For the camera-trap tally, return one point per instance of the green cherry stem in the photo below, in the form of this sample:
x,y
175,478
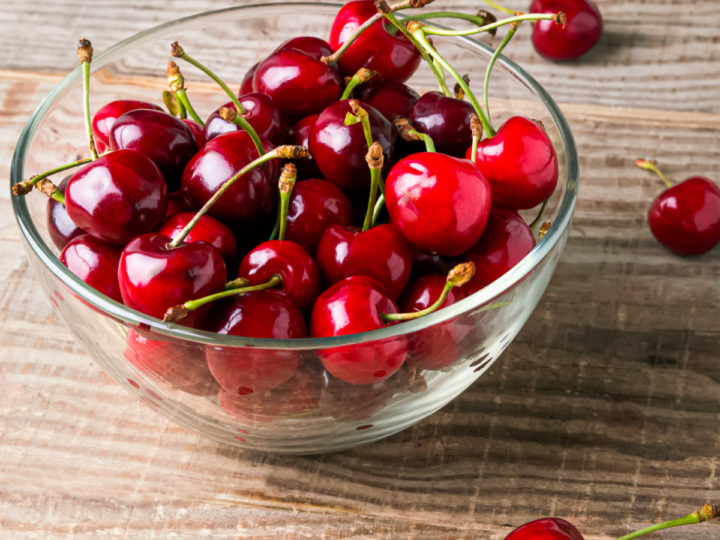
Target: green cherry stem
x,y
85,54
176,82
457,277
279,152
48,188
179,312
378,207
406,132
362,76
374,159
706,513
24,187
491,64
651,165
559,18
538,219
499,7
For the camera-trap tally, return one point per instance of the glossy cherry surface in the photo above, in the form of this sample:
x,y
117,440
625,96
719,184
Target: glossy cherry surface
x,y
175,204
390,54
546,529
290,261
246,85
505,242
339,150
197,131
310,45
520,162
686,217
104,118
380,253
582,31
391,98
299,135
117,197
260,314
166,140
260,112
440,203
251,197
95,262
61,228
153,277
351,306
446,120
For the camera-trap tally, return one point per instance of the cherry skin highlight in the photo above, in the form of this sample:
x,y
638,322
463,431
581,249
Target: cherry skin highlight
x,y
95,262
105,117
582,31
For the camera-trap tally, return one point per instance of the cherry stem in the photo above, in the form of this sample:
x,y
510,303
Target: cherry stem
x,y
559,18
476,130
457,277
651,165
237,283
488,70
85,53
285,186
499,7
361,115
706,513
176,82
478,20
362,76
24,187
179,312
378,207
281,152
374,159
46,187
178,52
406,132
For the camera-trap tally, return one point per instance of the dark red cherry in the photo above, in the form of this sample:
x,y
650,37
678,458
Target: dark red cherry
x,y
95,262
380,253
246,85
520,163
339,150
260,314
298,83
505,242
582,31
314,206
251,197
430,263
299,135
290,261
197,132
104,119
260,112
351,306
391,98
686,217
310,45
446,120
439,203
154,277
207,229
166,140
62,229
117,197
546,529
390,54
175,204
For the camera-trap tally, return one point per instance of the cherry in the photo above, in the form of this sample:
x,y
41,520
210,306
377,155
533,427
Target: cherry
x,y
166,140
351,306
505,242
246,85
259,314
390,54
260,112
429,263
154,277
197,132
250,198
105,117
391,98
314,206
117,197
380,253
298,83
95,262
310,45
560,42
61,228
299,134
175,204
520,163
440,203
446,120
551,528
290,261
339,150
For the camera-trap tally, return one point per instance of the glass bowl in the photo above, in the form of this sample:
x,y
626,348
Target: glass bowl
x,y
165,366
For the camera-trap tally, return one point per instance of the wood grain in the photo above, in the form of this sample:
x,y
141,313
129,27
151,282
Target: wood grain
x,y
605,410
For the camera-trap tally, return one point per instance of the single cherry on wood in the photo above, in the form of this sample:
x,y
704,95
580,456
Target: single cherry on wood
x,y
577,36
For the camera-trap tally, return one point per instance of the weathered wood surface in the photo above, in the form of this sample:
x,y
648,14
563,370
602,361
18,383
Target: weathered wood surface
x,y
605,409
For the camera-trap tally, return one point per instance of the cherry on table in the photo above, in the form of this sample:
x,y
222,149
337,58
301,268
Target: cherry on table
x,y
95,262
446,120
561,42
104,118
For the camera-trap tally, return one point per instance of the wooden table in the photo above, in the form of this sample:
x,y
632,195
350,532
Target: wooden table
x,y
605,410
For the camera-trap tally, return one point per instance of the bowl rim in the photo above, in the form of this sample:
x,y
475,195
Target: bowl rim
x,y
136,319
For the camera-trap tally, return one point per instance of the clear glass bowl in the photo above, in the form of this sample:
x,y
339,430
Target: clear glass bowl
x,y
164,365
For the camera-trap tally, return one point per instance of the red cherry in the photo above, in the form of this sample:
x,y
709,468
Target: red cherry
x,y
505,242
246,85
153,277
299,135
582,31
440,203
392,55
117,197
95,262
446,120
686,217
175,204
291,262
520,163
260,314
429,263
351,306
391,98
104,119
546,529
340,150
260,112
310,45
380,253
197,132
61,228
